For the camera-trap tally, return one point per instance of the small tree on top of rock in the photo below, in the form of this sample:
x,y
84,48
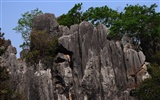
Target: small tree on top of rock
x,y
25,25
43,46
142,24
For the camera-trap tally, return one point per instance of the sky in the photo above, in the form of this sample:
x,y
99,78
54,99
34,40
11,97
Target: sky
x,y
11,10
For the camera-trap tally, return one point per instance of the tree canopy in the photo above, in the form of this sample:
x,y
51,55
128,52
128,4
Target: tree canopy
x,y
142,24
102,15
74,16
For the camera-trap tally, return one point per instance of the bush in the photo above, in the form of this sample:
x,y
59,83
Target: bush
x,y
149,89
33,56
156,58
43,47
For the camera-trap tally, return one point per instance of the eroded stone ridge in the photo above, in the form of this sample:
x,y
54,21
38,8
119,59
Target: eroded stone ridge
x,y
102,69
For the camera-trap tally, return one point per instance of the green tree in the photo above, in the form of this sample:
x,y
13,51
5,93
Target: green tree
x,y
25,25
43,47
74,16
95,15
142,24
102,15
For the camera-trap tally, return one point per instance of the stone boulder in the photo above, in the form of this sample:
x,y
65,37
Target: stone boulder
x,y
46,22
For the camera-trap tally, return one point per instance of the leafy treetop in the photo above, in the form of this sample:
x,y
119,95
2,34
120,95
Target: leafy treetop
x,y
25,25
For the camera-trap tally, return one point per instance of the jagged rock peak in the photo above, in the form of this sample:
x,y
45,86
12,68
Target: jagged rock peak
x,y
46,22
101,69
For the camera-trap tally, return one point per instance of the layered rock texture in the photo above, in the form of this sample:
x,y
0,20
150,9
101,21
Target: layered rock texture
x,y
101,69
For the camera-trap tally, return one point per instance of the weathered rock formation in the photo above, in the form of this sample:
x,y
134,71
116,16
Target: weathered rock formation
x,y
102,69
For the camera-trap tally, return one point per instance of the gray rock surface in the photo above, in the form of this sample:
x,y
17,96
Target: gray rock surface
x,y
46,22
103,70
7,43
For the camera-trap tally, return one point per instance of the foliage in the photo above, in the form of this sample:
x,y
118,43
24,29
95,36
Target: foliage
x,y
74,16
102,15
25,25
6,91
32,57
150,88
43,45
155,58
142,24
